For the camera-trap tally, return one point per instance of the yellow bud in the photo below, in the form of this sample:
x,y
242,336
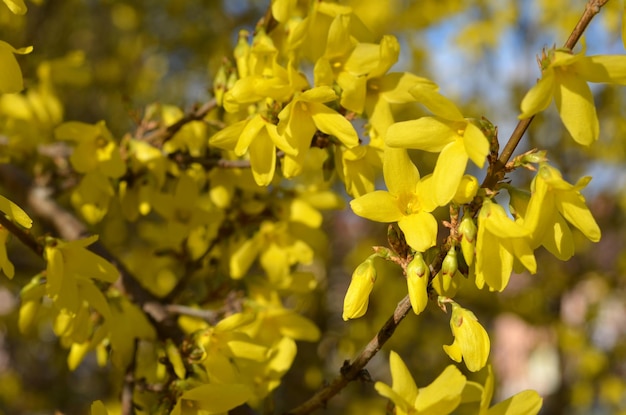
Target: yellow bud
x,y
242,51
450,264
357,297
467,190
417,274
448,279
468,232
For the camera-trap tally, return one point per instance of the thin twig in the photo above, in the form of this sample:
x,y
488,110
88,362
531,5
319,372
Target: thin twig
x,y
23,235
161,135
128,408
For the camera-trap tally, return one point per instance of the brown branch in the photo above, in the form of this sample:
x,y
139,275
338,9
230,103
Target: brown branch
x,y
128,407
354,370
23,235
161,135
497,172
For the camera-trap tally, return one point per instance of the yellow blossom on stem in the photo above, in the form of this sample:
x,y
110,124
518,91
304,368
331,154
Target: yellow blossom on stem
x,y
552,204
352,64
457,140
441,397
564,78
261,138
499,242
471,342
303,116
407,201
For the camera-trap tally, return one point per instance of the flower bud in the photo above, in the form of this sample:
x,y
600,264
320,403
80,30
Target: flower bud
x,y
417,274
468,232
448,279
357,297
467,190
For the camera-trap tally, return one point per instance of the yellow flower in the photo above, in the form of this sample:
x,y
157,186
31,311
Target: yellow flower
x,y
261,138
458,140
306,114
95,148
552,204
441,397
408,201
564,77
352,64
471,342
70,262
357,298
499,242
358,167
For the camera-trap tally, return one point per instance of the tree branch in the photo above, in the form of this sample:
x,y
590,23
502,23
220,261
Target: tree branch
x,y
161,135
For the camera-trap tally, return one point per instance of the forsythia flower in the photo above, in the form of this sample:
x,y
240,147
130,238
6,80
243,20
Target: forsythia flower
x,y
564,77
68,262
456,138
471,342
552,204
407,202
306,114
499,241
353,64
357,298
260,137
441,397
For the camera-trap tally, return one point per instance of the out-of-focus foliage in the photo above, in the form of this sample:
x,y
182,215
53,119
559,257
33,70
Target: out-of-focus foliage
x,y
213,147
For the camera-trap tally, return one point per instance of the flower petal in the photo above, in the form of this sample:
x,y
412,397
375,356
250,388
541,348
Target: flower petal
x,y
476,144
443,395
539,96
379,206
401,175
603,68
449,171
436,103
574,101
420,230
331,122
426,133
263,158
572,206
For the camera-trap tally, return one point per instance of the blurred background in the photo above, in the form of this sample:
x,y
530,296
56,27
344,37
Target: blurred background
x,y
561,331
